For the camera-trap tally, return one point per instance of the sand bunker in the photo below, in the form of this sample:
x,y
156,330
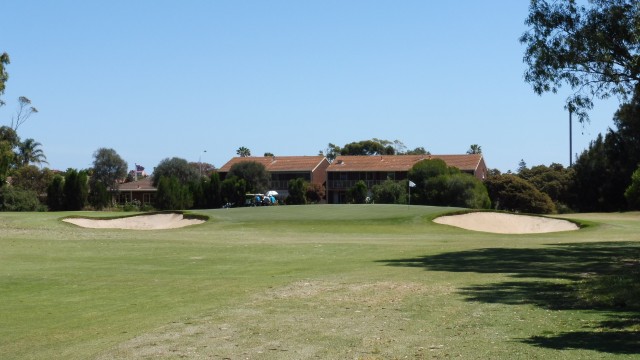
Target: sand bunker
x,y
141,222
506,223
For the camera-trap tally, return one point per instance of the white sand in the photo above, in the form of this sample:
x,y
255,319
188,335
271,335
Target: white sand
x,y
141,222
506,223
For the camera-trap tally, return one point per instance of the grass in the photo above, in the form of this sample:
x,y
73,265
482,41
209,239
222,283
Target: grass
x,y
289,282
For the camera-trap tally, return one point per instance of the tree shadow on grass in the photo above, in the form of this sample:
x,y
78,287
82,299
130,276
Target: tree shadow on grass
x,y
548,277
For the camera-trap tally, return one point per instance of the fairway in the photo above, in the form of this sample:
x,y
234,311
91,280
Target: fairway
x,y
297,282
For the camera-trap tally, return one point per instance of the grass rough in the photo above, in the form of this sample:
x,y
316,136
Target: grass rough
x,y
293,282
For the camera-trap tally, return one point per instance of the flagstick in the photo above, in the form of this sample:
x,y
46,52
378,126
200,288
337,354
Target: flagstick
x,y
409,204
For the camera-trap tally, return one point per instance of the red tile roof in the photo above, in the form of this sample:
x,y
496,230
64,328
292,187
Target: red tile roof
x,y
279,163
466,162
140,185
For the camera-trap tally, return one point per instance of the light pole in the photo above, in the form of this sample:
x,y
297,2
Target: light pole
x,y
570,136
200,161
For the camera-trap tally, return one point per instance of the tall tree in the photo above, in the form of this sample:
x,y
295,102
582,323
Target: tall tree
x,y
368,147
632,193
357,194
172,195
178,168
75,189
442,185
4,76
213,192
243,151
474,149
253,173
29,152
8,141
24,112
593,48
55,194
108,167
297,188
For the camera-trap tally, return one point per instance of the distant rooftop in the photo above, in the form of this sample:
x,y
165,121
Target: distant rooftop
x,y
278,163
466,162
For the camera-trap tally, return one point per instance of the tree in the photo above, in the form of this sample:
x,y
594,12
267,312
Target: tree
x,y
464,190
213,193
390,192
418,151
268,154
297,188
475,149
108,167
4,76
512,193
172,195
603,172
368,147
592,48
31,178
522,166
15,199
632,194
253,173
314,193
24,112
554,180
358,193
29,152
9,140
442,185
243,152
175,167
75,190
99,197
233,190
55,194
331,152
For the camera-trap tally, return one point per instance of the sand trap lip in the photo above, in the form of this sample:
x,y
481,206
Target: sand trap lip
x,y
139,222
501,223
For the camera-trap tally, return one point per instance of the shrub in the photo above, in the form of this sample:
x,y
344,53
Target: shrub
x,y
233,190
358,193
172,195
75,189
632,194
442,185
55,194
314,193
297,188
13,199
133,205
99,197
512,193
390,192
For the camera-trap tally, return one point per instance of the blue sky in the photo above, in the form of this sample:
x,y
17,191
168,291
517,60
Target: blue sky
x,y
158,79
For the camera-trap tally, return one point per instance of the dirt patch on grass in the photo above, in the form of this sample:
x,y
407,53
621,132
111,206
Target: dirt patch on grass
x,y
305,319
139,222
501,223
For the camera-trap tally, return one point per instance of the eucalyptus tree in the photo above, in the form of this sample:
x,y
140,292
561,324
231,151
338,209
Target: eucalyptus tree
x,y
108,167
593,47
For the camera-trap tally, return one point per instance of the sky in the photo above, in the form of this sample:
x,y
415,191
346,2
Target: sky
x,y
198,79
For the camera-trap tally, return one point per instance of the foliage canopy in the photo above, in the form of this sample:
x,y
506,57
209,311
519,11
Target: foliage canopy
x,y
592,48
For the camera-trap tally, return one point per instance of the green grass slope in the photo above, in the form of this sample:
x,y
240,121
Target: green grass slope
x,y
293,282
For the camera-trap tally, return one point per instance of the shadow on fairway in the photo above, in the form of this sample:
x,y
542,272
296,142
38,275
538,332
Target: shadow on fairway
x,y
535,274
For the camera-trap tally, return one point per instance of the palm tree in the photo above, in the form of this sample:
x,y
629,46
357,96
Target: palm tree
x,y
29,152
243,152
475,149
